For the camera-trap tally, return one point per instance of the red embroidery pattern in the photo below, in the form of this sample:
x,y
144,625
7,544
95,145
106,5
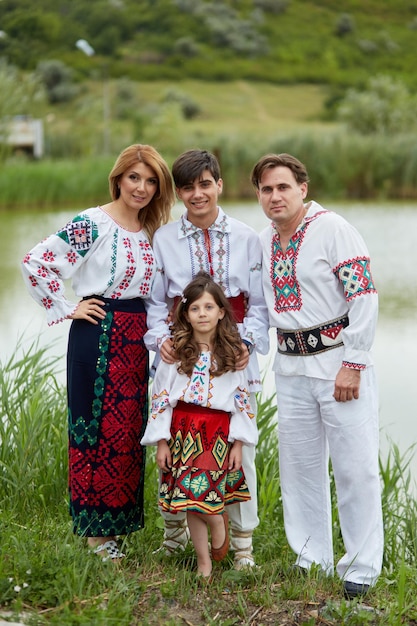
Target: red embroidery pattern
x,y
283,272
148,260
353,366
106,458
48,256
71,258
47,303
131,269
355,276
53,286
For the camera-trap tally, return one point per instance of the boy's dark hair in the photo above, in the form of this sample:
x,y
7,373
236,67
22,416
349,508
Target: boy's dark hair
x,y
190,165
227,345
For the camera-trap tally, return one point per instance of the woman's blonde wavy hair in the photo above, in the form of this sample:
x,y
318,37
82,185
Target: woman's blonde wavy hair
x,y
158,211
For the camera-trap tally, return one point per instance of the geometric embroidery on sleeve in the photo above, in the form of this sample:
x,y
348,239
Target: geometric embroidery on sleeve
x,y
353,366
355,276
79,234
242,401
159,403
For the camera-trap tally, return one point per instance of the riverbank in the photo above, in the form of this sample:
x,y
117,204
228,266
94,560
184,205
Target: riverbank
x,y
340,166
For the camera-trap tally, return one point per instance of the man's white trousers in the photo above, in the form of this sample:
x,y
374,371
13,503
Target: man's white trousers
x,y
312,425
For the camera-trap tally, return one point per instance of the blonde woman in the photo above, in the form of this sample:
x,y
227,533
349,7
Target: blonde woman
x,y
106,252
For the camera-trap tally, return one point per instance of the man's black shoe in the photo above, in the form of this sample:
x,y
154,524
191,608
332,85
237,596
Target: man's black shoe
x,y
352,590
297,570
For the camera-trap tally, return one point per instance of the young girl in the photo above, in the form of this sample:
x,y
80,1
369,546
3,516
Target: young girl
x,y
201,418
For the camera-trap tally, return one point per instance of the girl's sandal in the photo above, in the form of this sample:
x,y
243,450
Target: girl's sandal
x,y
111,550
203,579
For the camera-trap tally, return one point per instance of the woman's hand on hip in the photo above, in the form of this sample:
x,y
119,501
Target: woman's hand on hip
x,y
90,310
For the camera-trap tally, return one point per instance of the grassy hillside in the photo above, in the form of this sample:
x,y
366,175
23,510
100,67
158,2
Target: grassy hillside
x,y
149,112
238,78
244,106
279,41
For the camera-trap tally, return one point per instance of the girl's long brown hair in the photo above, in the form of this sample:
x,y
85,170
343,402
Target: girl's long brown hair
x,y
227,344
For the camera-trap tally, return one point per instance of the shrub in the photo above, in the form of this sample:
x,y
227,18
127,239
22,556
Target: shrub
x,y
345,24
189,107
384,106
57,79
187,47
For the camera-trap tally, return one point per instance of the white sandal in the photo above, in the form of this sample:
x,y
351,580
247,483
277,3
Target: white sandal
x,y
241,544
111,548
176,537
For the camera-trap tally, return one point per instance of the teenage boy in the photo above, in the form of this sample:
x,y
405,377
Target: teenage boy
x,y
205,238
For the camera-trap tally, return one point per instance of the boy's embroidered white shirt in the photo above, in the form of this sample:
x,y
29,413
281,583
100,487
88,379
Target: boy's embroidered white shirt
x,y
236,258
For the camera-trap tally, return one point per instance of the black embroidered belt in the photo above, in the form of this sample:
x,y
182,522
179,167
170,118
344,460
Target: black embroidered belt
x,y
305,341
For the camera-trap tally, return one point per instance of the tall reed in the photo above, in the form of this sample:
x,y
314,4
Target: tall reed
x,y
33,451
49,573
341,165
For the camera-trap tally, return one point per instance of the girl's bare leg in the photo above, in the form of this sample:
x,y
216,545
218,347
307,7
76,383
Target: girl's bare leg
x,y
197,525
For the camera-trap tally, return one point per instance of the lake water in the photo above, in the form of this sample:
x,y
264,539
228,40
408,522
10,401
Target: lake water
x,y
389,231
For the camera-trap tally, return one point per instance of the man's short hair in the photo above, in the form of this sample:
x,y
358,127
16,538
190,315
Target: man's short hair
x,y
269,161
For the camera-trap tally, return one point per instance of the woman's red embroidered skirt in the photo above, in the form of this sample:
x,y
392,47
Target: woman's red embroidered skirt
x,y
107,372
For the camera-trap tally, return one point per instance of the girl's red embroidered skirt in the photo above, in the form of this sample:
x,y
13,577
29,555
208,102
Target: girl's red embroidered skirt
x,y
199,480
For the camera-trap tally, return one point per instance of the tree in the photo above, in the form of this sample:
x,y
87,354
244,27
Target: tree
x,y
19,95
57,78
384,106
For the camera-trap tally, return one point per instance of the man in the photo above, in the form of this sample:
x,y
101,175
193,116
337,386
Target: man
x,y
323,302
205,238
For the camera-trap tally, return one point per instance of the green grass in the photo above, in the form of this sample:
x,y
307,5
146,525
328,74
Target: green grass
x,y
47,575
245,107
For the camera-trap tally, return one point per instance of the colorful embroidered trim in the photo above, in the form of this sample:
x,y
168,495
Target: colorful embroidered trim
x,y
305,341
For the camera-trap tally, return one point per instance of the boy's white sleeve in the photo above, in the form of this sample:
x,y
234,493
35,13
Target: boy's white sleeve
x,y
256,322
